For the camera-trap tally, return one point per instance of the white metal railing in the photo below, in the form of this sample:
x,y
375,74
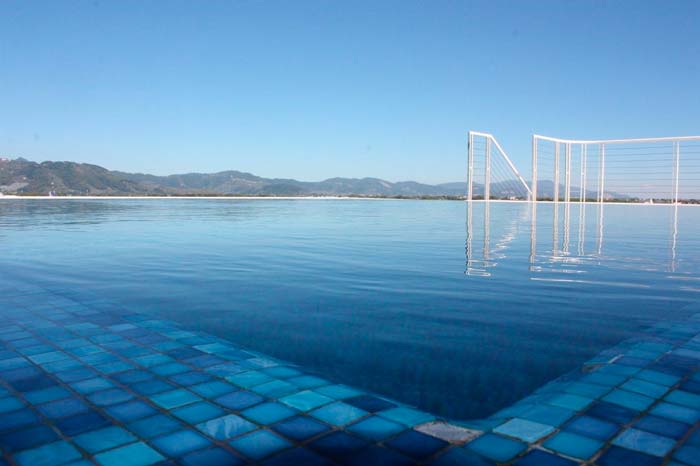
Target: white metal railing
x,y
665,169
488,165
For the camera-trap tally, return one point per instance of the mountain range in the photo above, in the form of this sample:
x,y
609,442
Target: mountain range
x,y
23,177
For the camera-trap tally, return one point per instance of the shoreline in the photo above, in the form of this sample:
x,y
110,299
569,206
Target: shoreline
x,y
320,198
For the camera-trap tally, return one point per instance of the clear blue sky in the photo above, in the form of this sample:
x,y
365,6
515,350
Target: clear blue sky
x,y
314,89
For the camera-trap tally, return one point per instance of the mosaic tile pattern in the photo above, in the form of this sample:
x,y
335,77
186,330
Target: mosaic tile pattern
x,y
635,404
84,382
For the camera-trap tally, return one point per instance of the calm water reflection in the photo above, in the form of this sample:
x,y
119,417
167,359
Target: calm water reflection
x,y
374,293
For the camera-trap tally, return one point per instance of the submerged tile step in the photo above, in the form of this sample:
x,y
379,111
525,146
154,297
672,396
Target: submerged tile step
x,y
83,380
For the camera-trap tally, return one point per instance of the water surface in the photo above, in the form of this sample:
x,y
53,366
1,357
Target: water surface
x,y
458,310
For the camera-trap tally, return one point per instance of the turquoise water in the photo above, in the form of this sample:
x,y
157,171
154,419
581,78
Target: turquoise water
x,y
428,302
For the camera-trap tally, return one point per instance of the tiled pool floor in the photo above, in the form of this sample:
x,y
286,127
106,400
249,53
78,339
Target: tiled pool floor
x,y
84,381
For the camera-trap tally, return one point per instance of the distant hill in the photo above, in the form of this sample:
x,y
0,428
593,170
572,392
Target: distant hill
x,y
20,176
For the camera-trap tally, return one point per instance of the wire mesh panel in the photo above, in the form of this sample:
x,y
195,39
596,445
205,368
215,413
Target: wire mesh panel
x,y
654,170
688,161
490,173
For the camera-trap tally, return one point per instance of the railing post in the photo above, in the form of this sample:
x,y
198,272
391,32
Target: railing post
x,y
676,170
601,172
487,170
582,190
556,172
533,187
567,173
470,166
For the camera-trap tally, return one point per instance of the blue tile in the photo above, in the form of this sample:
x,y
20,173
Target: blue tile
x,y
249,379
226,427
49,357
154,426
694,438
32,383
213,389
184,353
338,413
268,413
63,408
629,400
586,389
497,448
300,428
191,378
570,401
683,398
172,368
306,400
47,394
522,429
376,428
689,454
110,397
91,385
379,456
297,456
416,445
28,438
661,426
151,387
612,413
198,412
644,442
369,403
130,411
75,375
212,457
153,360
136,454
275,389
550,415
259,444
338,444
692,386
74,425
174,399
338,392
16,419
407,416
239,400
134,376
676,413
48,455
573,445
104,439
10,404
592,427
114,367
180,442
464,457
645,388
308,381
616,456
543,458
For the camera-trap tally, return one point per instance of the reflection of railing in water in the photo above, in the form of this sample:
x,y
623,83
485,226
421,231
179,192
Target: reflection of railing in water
x,y
569,250
563,255
479,266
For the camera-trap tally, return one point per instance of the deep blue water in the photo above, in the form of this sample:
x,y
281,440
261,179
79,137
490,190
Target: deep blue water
x,y
423,301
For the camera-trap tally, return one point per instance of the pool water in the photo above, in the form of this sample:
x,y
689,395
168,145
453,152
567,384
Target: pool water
x,y
459,310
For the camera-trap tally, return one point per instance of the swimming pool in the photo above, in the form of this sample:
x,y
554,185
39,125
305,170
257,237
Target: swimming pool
x,y
459,310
